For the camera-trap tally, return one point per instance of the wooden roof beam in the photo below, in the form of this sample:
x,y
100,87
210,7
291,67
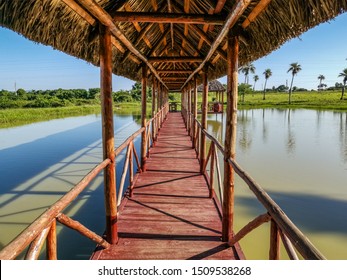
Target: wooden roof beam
x,y
236,12
104,18
159,42
168,18
175,71
175,59
219,6
256,11
169,9
204,36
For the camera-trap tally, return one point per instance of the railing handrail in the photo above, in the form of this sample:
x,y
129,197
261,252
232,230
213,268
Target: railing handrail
x,y
17,245
298,239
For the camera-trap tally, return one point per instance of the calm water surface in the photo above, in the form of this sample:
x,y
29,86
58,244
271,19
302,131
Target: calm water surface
x,y
40,162
299,157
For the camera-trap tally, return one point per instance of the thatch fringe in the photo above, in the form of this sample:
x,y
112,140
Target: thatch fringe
x,y
53,23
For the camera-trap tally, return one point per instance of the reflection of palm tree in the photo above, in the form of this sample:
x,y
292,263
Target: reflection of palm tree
x,y
320,78
267,74
291,136
248,68
245,141
295,69
344,75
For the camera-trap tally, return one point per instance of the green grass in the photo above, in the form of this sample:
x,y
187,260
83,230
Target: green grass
x,y
16,117
327,100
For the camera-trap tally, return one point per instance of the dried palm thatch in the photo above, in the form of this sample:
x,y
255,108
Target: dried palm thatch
x,y
213,86
145,32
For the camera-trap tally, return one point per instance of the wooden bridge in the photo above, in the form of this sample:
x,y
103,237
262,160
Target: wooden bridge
x,y
170,214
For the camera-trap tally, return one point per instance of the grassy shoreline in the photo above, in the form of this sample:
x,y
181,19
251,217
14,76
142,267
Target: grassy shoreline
x,y
300,100
327,100
17,117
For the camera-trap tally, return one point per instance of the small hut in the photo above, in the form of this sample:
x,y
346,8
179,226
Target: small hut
x,y
215,87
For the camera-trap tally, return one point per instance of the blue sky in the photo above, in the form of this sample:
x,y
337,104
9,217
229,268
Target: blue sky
x,y
321,50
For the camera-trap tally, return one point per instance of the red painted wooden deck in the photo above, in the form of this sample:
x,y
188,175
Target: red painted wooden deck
x,y
170,215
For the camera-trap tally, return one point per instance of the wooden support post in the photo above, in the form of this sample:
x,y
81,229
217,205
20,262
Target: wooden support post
x,y
51,242
203,121
230,138
274,253
154,88
189,110
195,109
143,118
108,134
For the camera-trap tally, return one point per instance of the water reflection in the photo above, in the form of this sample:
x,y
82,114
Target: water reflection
x,y
300,158
38,171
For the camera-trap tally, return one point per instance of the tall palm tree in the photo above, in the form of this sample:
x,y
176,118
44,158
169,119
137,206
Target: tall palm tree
x,y
343,74
255,79
320,78
267,74
295,69
248,68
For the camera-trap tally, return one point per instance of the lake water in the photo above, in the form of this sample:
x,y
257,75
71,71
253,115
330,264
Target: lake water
x,y
298,156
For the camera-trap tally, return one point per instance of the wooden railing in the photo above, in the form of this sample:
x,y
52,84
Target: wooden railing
x,y
281,228
43,229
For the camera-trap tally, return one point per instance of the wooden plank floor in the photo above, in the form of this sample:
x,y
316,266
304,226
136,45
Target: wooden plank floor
x,y
170,215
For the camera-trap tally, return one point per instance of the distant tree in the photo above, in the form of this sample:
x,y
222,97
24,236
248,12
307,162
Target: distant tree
x,y
294,68
320,78
255,79
267,74
281,88
244,89
343,74
248,68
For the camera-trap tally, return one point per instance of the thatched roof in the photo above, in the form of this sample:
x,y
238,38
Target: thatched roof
x,y
213,86
192,28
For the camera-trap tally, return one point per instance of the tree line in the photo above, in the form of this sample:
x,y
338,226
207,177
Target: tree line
x,y
64,97
294,69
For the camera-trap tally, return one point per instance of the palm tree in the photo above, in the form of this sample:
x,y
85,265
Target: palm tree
x,y
344,75
255,79
248,68
320,78
295,69
267,74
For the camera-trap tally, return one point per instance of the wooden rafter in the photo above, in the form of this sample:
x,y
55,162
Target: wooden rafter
x,y
159,42
175,71
219,6
256,11
236,12
104,18
175,59
204,37
189,43
135,17
171,25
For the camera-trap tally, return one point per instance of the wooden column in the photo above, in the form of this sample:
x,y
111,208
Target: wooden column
x,y
230,137
158,108
154,88
203,121
274,252
108,134
195,109
189,108
143,117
